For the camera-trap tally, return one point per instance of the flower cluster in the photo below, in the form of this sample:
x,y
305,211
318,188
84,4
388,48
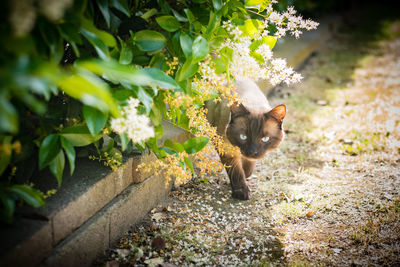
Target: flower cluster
x,y
279,72
287,21
24,12
172,66
245,65
260,64
199,123
136,126
171,167
210,83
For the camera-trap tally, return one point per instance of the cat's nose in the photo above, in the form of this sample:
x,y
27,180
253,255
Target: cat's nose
x,y
253,150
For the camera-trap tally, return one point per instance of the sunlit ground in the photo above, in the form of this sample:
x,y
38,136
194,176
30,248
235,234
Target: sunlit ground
x,y
345,206
329,196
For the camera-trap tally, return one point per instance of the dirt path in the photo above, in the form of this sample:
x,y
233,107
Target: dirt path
x,y
329,196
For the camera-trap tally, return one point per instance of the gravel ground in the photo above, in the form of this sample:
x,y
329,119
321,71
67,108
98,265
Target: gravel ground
x,y
330,195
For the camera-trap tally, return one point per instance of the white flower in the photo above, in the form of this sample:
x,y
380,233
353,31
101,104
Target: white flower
x,y
281,32
136,126
276,18
296,33
278,64
54,9
288,22
265,52
244,65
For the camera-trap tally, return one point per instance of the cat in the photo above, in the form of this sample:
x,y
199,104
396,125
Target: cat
x,y
251,125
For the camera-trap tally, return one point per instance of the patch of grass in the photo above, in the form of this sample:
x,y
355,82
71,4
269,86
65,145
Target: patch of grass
x,y
365,142
372,230
286,211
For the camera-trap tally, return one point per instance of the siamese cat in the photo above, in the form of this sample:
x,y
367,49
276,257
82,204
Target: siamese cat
x,y
253,126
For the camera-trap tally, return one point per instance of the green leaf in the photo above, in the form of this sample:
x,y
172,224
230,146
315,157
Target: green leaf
x,y
159,78
258,57
28,194
98,38
121,5
199,49
124,141
164,151
198,26
189,15
148,40
155,115
106,37
195,144
251,27
220,65
8,204
175,45
158,132
95,119
103,6
127,74
100,47
124,94
79,135
217,4
149,14
57,167
152,144
70,152
213,23
8,116
263,5
268,40
145,98
90,90
178,147
253,2
126,54
178,16
168,23
189,164
186,44
187,70
48,150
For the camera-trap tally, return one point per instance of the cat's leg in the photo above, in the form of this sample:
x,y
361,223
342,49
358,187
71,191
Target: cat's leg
x,y
248,166
237,177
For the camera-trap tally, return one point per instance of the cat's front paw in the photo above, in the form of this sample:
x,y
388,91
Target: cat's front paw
x,y
241,193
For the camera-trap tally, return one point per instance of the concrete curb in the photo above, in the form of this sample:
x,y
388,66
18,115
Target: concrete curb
x,y
95,206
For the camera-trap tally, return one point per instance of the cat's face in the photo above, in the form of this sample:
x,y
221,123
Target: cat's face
x,y
255,134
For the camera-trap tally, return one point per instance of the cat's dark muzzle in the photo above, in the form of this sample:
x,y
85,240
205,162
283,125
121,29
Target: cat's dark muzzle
x,y
252,152
252,156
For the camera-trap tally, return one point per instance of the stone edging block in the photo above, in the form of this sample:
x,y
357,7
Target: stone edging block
x,y
107,226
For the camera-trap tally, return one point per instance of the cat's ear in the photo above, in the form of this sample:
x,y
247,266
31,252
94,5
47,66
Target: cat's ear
x,y
238,110
277,112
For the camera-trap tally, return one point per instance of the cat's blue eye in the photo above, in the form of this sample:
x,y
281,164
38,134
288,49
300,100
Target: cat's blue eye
x,y
265,139
242,137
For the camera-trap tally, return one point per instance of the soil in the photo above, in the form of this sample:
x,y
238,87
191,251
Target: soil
x,y
330,195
